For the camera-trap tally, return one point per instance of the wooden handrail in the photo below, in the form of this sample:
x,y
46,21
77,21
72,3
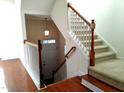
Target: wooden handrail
x,y
66,56
30,43
92,27
70,6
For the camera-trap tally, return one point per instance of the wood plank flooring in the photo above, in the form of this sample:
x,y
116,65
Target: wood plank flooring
x,y
73,85
69,85
15,76
16,79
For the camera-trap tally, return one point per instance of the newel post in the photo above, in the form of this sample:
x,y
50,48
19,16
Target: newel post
x,y
40,63
92,52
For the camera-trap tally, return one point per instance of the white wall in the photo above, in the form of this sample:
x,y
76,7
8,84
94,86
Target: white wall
x,y
40,7
10,30
109,18
34,7
59,16
77,63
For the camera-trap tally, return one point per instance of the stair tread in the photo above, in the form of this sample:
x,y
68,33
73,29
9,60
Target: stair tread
x,y
100,47
104,54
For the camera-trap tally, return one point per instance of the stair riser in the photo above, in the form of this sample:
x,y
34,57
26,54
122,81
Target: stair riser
x,y
104,58
101,50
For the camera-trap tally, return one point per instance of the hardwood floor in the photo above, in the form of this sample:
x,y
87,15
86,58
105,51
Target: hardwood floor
x,y
14,78
73,85
70,85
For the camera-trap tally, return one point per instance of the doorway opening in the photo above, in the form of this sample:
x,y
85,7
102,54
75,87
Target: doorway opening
x,y
53,45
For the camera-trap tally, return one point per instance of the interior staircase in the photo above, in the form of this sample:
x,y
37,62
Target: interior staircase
x,y
107,67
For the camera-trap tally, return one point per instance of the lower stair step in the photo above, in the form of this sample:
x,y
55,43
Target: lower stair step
x,y
100,48
110,72
104,56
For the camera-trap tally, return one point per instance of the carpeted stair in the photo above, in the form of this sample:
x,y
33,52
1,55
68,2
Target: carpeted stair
x,y
109,71
107,67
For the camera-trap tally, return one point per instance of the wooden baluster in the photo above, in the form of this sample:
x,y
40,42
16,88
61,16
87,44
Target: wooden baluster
x,y
92,52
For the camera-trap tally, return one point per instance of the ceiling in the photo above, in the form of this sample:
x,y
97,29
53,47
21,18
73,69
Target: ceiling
x,y
37,6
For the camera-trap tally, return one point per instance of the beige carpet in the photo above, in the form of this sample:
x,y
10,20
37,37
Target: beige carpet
x,y
110,71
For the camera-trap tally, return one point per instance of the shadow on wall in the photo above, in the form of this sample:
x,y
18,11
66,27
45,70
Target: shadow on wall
x,y
35,27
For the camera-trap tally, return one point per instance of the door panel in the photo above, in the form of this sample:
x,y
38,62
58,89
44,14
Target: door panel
x,y
49,59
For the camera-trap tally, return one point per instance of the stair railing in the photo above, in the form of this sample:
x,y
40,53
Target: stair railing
x,y
37,48
92,52
69,53
87,33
